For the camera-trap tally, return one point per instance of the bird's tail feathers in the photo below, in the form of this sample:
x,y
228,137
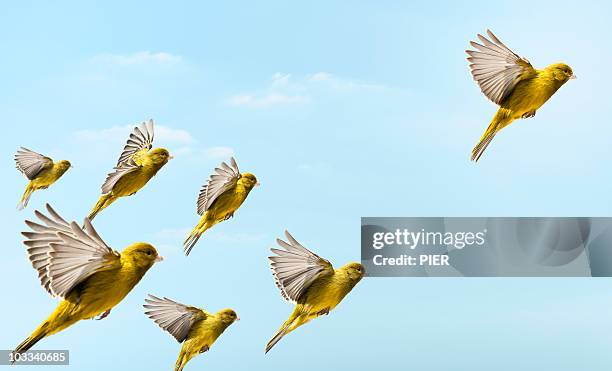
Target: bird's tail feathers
x,y
276,338
178,366
502,118
495,125
482,145
289,325
195,235
190,241
100,205
36,336
185,356
25,198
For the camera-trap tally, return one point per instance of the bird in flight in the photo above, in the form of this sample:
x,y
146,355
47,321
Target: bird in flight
x,y
137,164
512,83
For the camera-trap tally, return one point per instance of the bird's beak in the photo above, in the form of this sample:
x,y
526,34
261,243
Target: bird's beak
x,y
171,157
573,77
257,184
159,258
237,319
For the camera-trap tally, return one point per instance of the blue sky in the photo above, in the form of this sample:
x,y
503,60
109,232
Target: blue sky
x,y
342,110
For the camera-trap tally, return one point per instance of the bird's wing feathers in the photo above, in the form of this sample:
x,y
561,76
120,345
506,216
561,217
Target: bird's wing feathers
x,y
65,254
31,163
176,318
137,146
225,177
140,138
118,172
295,268
496,68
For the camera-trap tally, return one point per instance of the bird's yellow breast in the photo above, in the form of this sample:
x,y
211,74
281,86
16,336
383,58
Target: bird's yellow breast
x,y
530,94
47,177
99,292
104,290
228,202
132,182
203,333
327,292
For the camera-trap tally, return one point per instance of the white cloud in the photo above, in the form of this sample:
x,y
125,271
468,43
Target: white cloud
x,y
266,100
280,79
219,153
321,76
139,58
170,135
284,89
339,83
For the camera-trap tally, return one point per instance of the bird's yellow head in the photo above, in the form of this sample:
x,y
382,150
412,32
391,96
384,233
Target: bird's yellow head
x,y
355,271
64,165
160,156
140,255
561,72
228,316
248,180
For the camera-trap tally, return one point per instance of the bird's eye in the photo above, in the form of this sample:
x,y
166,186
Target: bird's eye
x,y
149,252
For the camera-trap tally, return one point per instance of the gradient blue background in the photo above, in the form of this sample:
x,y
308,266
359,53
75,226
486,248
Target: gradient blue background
x,y
343,110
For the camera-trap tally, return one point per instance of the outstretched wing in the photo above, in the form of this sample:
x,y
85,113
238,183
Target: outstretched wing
x,y
31,163
296,267
140,138
496,68
64,254
118,172
225,177
176,318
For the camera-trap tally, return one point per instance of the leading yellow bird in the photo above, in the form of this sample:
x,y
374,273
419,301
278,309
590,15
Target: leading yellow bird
x,y
76,265
309,281
512,83
40,170
137,164
219,198
194,327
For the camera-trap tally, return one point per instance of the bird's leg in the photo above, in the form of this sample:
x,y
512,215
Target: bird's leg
x,y
324,311
529,114
228,216
104,315
205,348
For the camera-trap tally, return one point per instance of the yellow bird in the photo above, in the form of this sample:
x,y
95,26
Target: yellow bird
x,y
512,83
219,198
309,281
137,164
194,327
40,170
76,265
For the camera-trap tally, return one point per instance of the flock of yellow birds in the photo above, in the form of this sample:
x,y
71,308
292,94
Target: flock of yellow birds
x,y
75,264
